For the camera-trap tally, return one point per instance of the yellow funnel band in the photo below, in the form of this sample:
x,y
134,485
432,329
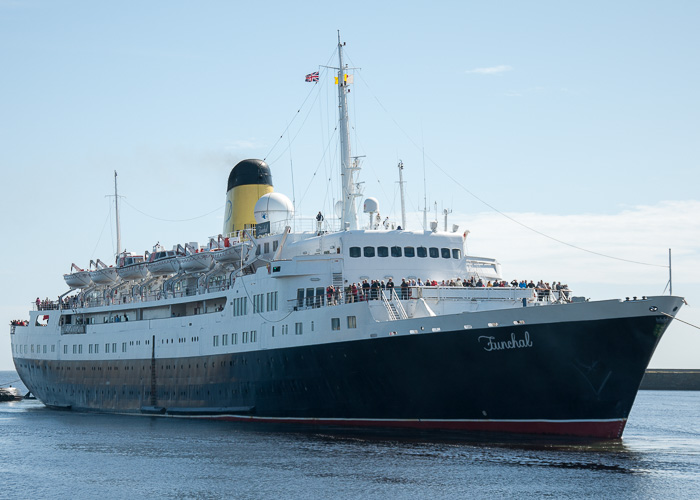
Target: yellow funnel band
x,y
240,204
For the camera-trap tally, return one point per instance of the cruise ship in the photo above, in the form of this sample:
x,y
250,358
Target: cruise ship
x,y
344,324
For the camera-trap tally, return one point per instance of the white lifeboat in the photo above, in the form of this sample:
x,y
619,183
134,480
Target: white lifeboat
x,y
163,262
230,250
131,266
197,260
103,274
80,278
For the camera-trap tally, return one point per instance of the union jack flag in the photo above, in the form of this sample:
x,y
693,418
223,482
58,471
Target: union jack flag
x,y
312,77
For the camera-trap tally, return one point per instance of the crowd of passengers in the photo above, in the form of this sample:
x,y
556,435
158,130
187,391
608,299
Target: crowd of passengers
x,y
370,290
19,322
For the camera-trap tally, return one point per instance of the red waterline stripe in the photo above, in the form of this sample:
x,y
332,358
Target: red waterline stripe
x,y
606,429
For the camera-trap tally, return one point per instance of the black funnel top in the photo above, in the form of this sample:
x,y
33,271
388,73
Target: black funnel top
x,y
249,172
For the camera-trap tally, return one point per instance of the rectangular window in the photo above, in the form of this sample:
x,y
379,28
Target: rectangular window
x,y
309,297
114,347
355,251
244,338
456,253
44,349
434,253
368,251
97,348
445,252
253,335
409,251
422,252
382,251
65,349
53,348
396,251
234,338
335,323
224,339
275,244
123,346
216,340
80,349
75,349
90,348
107,348
352,322
273,330
298,328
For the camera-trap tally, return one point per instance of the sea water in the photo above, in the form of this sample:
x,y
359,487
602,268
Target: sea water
x,y
62,454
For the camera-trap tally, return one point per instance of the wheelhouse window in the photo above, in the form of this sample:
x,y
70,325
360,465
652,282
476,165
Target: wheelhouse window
x,y
368,251
382,251
396,251
355,252
434,253
409,252
456,253
422,252
445,253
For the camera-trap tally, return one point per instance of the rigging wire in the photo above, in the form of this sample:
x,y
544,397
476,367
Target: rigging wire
x,y
298,131
319,164
289,124
109,215
512,219
174,220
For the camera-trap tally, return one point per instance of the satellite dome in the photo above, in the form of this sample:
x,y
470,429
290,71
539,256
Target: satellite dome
x,y
274,208
371,205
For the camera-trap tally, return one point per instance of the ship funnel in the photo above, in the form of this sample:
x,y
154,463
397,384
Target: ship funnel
x,y
247,182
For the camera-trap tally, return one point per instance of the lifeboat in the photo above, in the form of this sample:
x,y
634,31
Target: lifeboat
x,y
103,274
80,278
163,262
196,262
131,266
230,250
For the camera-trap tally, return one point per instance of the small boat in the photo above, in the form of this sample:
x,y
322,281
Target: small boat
x,y
230,250
10,394
197,260
104,274
131,266
163,262
79,278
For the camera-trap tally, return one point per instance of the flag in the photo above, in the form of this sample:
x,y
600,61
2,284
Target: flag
x,y
312,77
347,78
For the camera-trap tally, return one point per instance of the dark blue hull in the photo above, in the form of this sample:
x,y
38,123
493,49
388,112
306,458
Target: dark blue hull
x,y
577,378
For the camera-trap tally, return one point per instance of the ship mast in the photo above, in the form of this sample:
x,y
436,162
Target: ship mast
x,y
403,202
348,168
116,211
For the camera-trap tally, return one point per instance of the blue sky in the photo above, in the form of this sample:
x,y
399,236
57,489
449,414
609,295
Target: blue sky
x,y
580,121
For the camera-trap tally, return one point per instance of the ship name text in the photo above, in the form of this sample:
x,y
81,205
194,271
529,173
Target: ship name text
x,y
497,345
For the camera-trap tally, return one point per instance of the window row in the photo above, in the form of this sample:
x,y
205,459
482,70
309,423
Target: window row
x,y
246,337
396,251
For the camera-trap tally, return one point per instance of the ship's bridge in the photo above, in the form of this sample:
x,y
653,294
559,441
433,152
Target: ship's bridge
x,y
409,254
